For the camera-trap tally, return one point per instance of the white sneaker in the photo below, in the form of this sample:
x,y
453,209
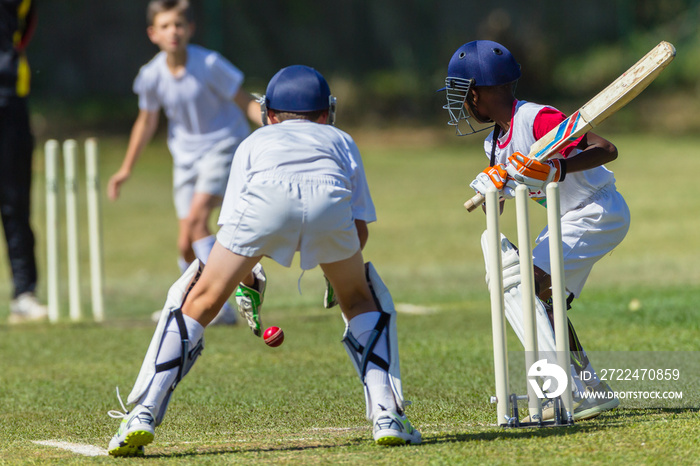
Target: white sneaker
x,y
136,430
26,308
392,428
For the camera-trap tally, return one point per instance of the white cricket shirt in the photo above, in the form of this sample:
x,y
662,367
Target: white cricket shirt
x,y
578,187
299,147
198,103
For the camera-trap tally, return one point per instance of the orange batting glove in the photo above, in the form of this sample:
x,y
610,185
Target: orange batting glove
x,y
535,175
496,177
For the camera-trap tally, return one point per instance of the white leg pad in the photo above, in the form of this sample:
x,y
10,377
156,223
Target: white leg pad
x,y
513,299
360,359
174,300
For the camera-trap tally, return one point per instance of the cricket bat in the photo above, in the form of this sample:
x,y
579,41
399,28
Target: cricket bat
x,y
611,99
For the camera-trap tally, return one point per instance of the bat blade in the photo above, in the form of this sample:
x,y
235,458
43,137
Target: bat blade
x,y
608,101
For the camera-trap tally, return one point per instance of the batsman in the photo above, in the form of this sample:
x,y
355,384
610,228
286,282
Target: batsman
x,y
480,90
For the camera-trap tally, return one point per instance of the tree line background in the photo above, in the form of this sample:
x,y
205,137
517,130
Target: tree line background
x,y
384,59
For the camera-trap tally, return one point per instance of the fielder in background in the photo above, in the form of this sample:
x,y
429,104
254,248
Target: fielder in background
x,y
297,184
480,88
200,93
17,20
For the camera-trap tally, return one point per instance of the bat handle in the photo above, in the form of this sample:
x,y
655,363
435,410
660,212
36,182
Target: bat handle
x,y
474,202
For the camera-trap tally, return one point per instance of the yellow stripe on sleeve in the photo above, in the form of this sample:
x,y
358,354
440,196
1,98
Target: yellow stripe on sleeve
x,y
23,77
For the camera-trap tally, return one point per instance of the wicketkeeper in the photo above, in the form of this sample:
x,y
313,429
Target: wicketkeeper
x,y
296,184
480,87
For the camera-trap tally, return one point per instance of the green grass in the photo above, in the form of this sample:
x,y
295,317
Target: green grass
x,y
302,403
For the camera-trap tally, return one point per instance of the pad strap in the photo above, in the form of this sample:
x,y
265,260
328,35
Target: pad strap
x,y
367,354
176,296
187,356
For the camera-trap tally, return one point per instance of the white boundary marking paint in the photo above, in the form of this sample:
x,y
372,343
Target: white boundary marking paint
x,y
79,448
406,308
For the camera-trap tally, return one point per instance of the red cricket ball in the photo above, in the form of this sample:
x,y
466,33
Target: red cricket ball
x,y
273,336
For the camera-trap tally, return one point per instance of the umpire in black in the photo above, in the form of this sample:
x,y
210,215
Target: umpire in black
x,y
17,20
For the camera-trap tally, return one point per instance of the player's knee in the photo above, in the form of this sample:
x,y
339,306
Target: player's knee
x,y
202,305
357,303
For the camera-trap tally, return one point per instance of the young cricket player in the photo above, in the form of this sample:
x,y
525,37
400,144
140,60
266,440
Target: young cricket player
x,y
297,184
200,93
480,88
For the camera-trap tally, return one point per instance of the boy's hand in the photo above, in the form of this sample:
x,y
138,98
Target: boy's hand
x,y
535,175
114,184
496,177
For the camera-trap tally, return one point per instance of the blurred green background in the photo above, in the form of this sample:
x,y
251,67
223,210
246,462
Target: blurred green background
x,y
383,58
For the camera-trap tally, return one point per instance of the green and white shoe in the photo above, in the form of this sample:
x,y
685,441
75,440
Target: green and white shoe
x,y
393,429
136,430
249,300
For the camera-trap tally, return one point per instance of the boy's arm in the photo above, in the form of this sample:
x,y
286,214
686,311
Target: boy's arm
x,y
595,151
249,105
142,132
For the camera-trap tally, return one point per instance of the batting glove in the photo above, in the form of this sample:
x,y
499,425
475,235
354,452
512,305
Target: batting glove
x,y
535,175
496,177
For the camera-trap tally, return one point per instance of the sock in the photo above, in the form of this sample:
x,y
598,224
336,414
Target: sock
x,y
202,247
170,348
183,264
376,379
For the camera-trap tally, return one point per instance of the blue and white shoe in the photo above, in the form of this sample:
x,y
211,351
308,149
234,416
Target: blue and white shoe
x,y
392,429
136,430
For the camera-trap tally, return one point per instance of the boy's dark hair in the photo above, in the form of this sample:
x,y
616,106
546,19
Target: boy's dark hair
x,y
161,6
311,116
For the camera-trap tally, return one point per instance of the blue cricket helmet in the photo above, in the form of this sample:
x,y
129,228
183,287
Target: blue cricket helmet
x,y
298,88
487,62
474,64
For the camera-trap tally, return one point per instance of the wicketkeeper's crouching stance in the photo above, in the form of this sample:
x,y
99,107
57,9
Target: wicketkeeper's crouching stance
x,y
296,184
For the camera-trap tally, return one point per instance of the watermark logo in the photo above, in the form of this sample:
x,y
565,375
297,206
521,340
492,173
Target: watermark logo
x,y
547,372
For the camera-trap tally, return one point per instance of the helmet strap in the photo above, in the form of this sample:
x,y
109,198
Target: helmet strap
x,y
494,142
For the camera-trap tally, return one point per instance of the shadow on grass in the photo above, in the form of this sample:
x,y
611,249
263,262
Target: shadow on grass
x,y
500,434
618,419
204,451
515,433
648,414
610,421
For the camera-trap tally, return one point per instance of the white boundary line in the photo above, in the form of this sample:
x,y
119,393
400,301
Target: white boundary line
x,y
79,448
406,308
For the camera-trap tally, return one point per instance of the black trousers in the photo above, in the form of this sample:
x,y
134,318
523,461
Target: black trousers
x,y
16,148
